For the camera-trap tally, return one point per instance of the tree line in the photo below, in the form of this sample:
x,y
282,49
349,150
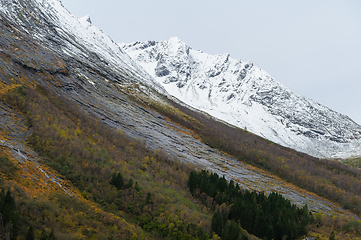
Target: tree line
x,y
329,179
267,217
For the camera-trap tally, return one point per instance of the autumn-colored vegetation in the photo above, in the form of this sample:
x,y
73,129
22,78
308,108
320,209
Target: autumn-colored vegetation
x,y
329,179
128,191
7,166
120,175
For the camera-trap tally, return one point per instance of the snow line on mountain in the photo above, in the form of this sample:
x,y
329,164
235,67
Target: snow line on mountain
x,y
244,95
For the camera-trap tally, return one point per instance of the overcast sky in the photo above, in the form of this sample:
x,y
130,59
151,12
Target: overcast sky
x,y
312,47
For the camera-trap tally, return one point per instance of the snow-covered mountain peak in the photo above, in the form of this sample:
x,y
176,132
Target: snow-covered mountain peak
x,y
176,46
86,18
246,96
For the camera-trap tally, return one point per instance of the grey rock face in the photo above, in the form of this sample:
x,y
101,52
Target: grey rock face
x,y
161,70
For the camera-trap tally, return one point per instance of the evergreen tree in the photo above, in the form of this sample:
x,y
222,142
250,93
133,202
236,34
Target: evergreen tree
x,y
191,182
9,207
231,231
279,233
332,236
270,233
9,212
30,234
130,183
223,184
304,216
2,199
117,180
217,223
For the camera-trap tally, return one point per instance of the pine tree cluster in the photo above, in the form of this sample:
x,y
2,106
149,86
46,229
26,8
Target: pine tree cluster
x,y
9,217
267,217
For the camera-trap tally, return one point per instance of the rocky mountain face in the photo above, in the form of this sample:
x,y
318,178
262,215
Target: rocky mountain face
x,y
73,40
246,96
42,43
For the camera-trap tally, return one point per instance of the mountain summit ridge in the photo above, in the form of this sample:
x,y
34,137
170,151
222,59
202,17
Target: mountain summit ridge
x,y
246,96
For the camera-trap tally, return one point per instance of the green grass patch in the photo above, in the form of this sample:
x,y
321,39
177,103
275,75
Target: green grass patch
x,y
354,162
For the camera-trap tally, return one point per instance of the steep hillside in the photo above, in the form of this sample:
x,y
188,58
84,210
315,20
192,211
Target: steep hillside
x,y
73,40
92,148
246,96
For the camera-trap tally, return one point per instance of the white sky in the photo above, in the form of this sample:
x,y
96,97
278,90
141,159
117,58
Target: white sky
x,y
312,47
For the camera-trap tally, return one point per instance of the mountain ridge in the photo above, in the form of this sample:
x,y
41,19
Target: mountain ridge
x,y
77,116
246,96
75,38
